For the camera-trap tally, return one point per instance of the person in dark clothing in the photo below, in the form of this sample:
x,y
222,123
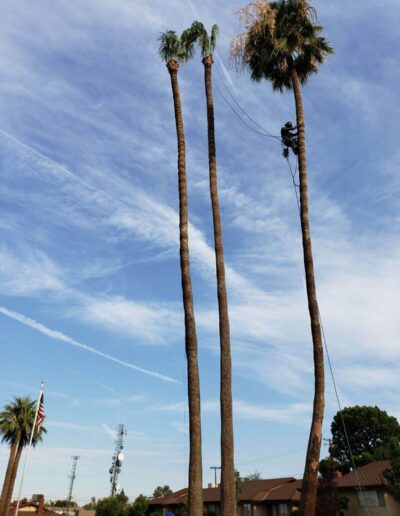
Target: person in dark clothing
x,y
289,137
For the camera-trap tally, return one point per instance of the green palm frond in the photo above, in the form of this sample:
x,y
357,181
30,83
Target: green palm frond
x,y
16,422
214,37
206,42
181,48
169,44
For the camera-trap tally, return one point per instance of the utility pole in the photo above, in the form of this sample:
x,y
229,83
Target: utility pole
x,y
72,478
215,468
117,460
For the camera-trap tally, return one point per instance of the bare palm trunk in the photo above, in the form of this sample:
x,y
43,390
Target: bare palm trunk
x,y
310,478
14,472
228,481
195,494
7,477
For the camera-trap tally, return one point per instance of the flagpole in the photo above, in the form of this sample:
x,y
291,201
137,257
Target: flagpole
x,y
29,449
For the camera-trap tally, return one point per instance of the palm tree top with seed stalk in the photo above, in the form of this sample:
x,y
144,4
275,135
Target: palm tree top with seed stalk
x,y
279,37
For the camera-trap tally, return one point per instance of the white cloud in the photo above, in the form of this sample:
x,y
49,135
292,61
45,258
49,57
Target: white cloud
x,y
30,275
296,413
152,322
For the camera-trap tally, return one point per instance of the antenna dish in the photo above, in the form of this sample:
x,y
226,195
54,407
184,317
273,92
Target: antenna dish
x,y
121,457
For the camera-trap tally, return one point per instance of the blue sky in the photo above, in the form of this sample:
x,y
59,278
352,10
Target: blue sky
x,y
89,270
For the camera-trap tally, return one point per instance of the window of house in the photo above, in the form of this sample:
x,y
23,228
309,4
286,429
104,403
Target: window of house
x,y
246,509
211,510
370,498
282,509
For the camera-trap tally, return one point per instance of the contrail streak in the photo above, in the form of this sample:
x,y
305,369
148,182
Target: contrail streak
x,y
57,335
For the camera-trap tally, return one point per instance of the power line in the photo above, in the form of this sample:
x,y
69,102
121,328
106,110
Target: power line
x,y
267,133
272,456
241,118
261,130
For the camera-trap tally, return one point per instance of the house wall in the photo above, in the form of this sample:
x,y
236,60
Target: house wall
x,y
391,508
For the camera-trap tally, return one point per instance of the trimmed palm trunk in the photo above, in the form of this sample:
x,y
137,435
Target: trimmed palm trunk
x,y
228,481
7,477
195,494
14,472
310,478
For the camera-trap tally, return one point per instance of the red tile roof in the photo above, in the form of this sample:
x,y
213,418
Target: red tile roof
x,y
289,492
251,491
370,475
286,489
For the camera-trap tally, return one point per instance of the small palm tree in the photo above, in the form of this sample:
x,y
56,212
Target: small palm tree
x,y
283,44
207,44
16,422
175,50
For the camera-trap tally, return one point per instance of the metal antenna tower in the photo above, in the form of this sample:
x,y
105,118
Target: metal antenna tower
x,y
72,477
117,460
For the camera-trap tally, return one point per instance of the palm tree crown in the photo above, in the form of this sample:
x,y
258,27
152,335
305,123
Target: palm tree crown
x,y
207,42
176,48
16,421
280,37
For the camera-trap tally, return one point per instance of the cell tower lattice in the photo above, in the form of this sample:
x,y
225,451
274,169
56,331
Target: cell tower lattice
x,y
117,460
72,477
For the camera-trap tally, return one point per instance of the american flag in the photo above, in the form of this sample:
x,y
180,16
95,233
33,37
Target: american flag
x,y
40,416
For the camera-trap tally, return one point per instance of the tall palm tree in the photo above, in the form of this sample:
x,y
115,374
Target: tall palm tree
x,y
16,425
175,50
207,44
283,44
9,431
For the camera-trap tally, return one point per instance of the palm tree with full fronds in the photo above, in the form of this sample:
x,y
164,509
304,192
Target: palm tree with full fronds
x,y
207,43
175,50
282,43
16,425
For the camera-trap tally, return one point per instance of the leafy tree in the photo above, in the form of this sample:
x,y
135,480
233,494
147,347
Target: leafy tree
x,y
161,491
63,503
207,44
372,433
91,506
283,44
175,50
122,496
16,422
254,476
111,506
392,474
139,506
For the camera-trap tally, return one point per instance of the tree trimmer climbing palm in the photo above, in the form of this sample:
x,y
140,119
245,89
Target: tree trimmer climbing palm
x,y
283,45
